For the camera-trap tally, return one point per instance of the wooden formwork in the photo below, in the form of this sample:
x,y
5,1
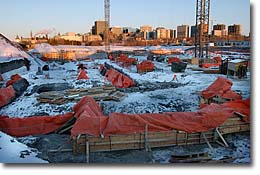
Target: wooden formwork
x,y
146,140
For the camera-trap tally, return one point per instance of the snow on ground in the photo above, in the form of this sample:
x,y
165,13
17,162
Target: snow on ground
x,y
7,50
183,98
10,52
44,48
12,151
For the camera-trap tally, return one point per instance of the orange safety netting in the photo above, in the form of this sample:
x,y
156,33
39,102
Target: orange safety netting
x,y
82,75
6,95
32,125
145,66
14,78
222,88
118,79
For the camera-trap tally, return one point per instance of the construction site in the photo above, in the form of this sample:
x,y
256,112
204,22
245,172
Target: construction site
x,y
126,104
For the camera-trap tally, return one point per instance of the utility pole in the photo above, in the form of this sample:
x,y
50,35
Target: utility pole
x,y
202,28
107,25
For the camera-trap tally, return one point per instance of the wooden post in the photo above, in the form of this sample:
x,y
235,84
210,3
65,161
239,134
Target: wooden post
x,y
208,142
87,149
146,141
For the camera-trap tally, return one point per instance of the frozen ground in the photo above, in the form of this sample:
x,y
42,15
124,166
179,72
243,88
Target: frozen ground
x,y
183,98
12,151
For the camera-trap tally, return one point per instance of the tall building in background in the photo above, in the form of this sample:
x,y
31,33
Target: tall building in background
x,y
129,30
161,33
116,30
234,30
182,32
99,27
172,33
192,31
146,28
219,27
219,30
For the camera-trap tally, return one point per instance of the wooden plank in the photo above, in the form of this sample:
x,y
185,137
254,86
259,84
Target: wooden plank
x,y
87,149
222,138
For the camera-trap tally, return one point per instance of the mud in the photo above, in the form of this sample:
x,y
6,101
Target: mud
x,y
238,150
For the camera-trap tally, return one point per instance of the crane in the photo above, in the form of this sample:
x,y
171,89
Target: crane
x,y
202,28
107,25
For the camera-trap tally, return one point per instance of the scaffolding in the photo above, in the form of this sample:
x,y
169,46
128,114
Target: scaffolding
x,y
107,25
202,28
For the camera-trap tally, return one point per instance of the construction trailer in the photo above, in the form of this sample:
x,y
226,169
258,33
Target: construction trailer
x,y
237,68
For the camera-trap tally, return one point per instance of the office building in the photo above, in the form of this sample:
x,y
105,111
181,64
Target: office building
x,y
234,30
182,31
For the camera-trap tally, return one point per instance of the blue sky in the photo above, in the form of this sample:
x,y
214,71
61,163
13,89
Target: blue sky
x,y
22,16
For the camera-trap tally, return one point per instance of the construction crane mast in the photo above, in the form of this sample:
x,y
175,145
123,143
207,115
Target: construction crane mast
x,y
202,28
107,25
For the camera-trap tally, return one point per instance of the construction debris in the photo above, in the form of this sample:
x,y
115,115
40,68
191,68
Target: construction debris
x,y
191,158
102,93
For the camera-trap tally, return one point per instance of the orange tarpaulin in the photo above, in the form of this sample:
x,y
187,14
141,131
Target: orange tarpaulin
x,y
205,119
173,60
6,95
90,118
145,66
221,87
14,78
118,79
92,121
32,125
125,60
209,65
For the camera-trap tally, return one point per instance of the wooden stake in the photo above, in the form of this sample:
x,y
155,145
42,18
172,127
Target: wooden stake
x,y
208,142
147,147
87,149
222,138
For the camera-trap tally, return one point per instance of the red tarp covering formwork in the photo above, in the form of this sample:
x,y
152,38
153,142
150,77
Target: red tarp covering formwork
x,y
32,125
90,118
145,66
118,79
173,60
82,75
205,119
6,95
241,106
222,88
92,121
14,78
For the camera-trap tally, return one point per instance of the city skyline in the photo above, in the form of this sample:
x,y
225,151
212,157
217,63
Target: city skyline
x,y
78,16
